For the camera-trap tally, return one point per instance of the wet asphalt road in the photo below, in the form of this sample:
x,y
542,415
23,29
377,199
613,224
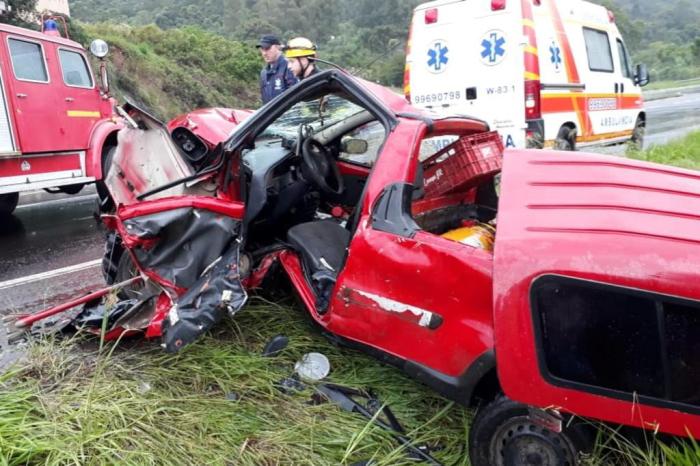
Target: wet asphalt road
x,y
50,248
48,251
672,118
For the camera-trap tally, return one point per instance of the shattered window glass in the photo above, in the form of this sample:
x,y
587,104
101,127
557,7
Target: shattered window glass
x,y
316,114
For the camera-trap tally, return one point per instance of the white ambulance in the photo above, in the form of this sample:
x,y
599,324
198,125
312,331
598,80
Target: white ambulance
x,y
544,73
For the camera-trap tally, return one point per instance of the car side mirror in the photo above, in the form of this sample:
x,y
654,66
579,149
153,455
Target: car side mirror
x,y
354,146
104,78
641,76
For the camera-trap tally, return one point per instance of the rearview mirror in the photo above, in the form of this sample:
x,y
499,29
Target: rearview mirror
x,y
104,78
641,76
354,146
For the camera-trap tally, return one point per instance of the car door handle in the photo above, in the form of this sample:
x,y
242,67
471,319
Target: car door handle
x,y
622,88
21,95
69,99
617,87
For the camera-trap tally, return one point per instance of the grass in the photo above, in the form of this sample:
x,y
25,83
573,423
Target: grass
x,y
215,403
658,85
682,153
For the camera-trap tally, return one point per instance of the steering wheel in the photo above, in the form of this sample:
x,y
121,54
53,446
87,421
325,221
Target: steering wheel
x,y
321,166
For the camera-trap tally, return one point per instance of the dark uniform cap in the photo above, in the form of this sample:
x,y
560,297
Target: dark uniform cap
x,y
268,41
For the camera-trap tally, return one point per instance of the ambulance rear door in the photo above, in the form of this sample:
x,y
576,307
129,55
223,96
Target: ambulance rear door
x,y
466,58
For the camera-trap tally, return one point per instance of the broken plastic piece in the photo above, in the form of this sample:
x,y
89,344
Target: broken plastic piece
x,y
290,385
275,346
313,367
344,398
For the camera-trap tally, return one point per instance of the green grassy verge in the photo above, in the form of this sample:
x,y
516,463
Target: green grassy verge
x,y
682,153
215,403
657,85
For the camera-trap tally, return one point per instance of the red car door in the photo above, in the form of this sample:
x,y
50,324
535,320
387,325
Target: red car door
x,y
596,290
407,292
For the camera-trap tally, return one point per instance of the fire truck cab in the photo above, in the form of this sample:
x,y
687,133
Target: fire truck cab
x,y
56,122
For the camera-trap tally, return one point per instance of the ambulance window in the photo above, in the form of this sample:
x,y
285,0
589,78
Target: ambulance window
x,y
28,61
598,50
624,59
75,69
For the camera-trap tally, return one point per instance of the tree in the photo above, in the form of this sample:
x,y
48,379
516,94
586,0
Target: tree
x,y
22,13
695,49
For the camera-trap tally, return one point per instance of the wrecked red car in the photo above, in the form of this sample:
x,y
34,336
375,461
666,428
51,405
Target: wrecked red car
x,y
566,287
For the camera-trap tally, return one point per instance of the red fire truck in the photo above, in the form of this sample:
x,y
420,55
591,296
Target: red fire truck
x,y
56,123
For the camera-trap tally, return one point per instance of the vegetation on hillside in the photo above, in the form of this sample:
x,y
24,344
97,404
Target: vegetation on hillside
x,y
364,36
173,71
663,35
19,13
369,36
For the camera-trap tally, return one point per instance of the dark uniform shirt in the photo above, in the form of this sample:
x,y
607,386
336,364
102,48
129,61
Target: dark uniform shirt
x,y
276,78
313,72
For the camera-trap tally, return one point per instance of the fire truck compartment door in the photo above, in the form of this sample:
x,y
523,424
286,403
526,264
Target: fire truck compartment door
x,y
7,144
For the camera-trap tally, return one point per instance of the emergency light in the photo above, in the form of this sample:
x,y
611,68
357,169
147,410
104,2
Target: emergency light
x,y
498,5
51,28
431,16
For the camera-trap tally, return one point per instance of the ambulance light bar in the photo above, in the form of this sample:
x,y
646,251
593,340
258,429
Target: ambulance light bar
x,y
431,16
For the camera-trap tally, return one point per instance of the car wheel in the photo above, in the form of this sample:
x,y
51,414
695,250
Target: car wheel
x,y
117,267
8,203
113,252
566,139
637,139
503,434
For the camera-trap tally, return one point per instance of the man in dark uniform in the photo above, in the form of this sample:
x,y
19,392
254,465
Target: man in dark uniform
x,y
301,53
275,77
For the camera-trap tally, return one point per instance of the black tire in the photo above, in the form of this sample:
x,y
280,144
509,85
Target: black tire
x,y
637,139
566,139
502,434
106,204
117,266
112,254
71,188
8,203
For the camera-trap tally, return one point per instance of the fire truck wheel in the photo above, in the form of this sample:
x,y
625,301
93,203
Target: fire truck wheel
x,y
566,139
503,434
71,188
8,202
637,139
